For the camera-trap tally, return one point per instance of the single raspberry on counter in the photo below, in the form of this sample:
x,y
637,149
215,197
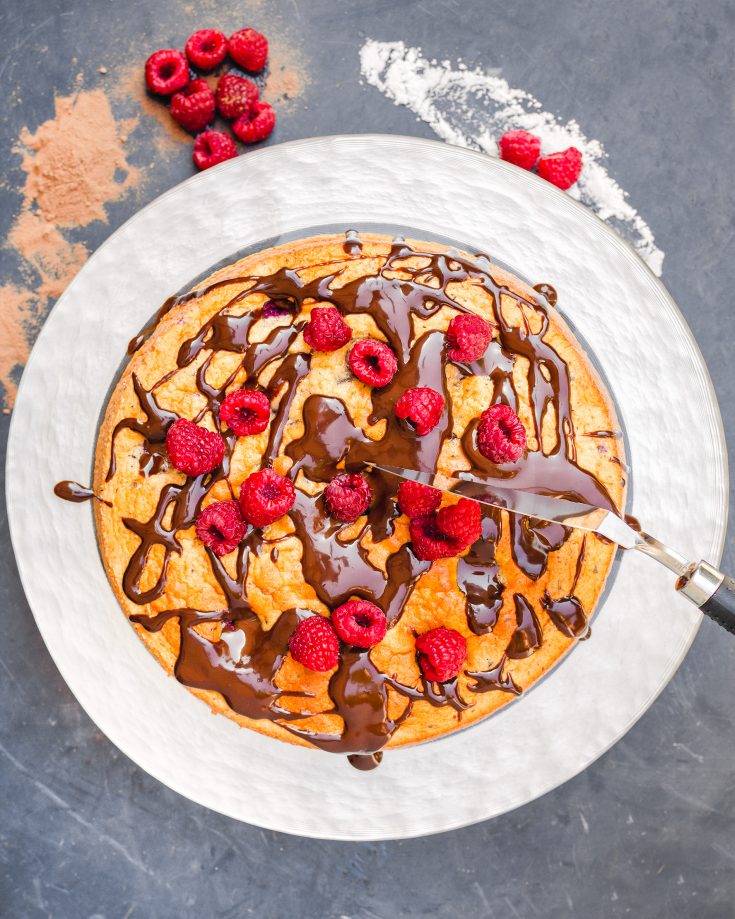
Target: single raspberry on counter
x,y
501,436
561,169
221,526
192,449
211,148
255,125
360,623
246,411
461,521
249,49
429,542
417,500
265,496
421,407
193,106
347,496
166,71
235,96
520,148
314,644
373,362
206,48
468,338
441,654
326,330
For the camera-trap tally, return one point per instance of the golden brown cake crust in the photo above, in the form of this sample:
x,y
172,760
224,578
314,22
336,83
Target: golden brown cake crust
x,y
275,579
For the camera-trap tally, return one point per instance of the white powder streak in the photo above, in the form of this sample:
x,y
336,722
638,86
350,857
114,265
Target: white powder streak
x,y
472,108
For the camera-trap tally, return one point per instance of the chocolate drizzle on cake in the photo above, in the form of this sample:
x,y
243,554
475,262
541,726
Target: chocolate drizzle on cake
x,y
228,650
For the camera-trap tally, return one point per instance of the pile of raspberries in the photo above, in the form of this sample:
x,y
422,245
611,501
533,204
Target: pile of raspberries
x,y
524,149
193,101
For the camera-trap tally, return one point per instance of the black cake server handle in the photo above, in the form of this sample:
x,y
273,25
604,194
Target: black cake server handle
x,y
712,591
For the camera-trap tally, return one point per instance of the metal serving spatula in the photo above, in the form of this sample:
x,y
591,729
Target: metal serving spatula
x,y
709,589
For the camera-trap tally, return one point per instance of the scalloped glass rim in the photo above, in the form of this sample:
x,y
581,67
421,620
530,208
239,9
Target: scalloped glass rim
x,y
372,171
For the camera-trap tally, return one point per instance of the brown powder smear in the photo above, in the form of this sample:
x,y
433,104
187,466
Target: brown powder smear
x,y
18,320
75,162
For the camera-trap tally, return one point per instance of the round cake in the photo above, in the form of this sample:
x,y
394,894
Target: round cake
x,y
266,560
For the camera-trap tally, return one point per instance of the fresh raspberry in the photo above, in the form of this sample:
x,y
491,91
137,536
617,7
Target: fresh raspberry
x,y
326,330
429,542
441,654
461,521
192,449
468,338
501,436
373,362
417,500
213,147
272,308
265,496
360,623
249,49
520,148
246,411
314,644
206,48
235,96
193,106
347,496
561,169
221,526
255,125
421,407
166,71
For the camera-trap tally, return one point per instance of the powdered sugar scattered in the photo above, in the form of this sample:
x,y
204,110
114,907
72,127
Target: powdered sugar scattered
x,y
473,107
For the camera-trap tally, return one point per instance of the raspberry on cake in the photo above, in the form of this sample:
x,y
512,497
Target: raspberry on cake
x,y
193,449
314,644
421,407
265,496
360,623
274,569
326,329
347,496
372,362
221,526
501,436
246,411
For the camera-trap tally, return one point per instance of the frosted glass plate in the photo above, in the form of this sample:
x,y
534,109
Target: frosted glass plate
x,y
643,347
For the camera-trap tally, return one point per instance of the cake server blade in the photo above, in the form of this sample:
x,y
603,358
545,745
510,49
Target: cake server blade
x,y
709,589
529,504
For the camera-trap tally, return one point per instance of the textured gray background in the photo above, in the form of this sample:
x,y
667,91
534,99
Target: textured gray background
x,y
647,831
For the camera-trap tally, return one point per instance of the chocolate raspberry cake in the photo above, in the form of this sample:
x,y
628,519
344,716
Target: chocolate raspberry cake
x,y
280,576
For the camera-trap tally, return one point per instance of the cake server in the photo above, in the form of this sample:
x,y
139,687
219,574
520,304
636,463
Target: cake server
x,y
709,589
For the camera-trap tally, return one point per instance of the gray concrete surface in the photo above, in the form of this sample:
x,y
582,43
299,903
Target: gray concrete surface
x,y
647,831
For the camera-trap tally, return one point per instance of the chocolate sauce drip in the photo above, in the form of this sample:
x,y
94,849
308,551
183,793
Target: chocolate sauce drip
x,y
532,542
243,662
527,637
567,615
546,290
477,578
615,434
153,428
493,680
365,762
352,244
76,493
